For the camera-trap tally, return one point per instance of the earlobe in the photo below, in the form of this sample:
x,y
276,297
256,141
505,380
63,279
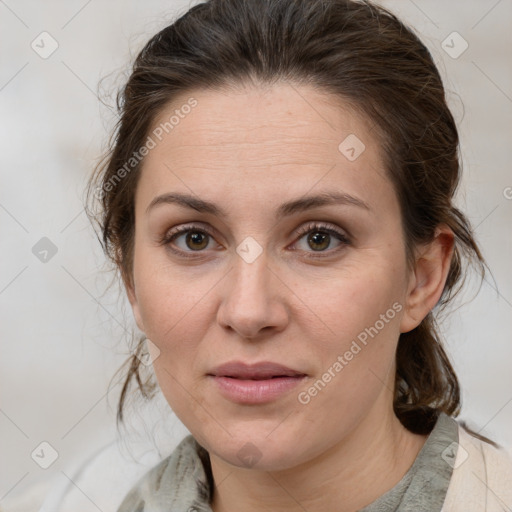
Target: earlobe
x,y
428,278
132,297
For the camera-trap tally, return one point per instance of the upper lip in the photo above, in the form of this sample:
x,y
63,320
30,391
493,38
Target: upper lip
x,y
262,370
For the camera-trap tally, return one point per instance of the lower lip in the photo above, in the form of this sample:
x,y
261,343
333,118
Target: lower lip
x,y
255,391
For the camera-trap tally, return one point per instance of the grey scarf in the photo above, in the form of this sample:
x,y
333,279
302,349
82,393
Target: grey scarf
x,y
183,481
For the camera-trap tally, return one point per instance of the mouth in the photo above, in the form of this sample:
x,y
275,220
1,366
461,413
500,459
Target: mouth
x,y
260,378
255,384
260,371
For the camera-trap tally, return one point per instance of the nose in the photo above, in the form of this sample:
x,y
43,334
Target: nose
x,y
254,299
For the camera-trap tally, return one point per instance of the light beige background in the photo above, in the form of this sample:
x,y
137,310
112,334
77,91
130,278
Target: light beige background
x,y
62,334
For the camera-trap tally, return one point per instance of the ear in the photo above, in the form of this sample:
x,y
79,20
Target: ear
x,y
427,278
132,297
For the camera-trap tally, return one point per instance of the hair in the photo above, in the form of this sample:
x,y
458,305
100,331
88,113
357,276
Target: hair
x,y
356,51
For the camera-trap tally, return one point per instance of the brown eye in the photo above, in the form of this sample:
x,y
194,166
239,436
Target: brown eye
x,y
196,240
186,240
319,239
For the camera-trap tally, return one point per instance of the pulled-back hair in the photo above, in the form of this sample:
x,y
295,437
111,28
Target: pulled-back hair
x,y
356,51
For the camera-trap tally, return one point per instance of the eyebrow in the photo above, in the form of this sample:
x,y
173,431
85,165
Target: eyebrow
x,y
286,209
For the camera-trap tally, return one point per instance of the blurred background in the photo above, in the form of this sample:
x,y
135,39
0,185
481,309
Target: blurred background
x,y
65,328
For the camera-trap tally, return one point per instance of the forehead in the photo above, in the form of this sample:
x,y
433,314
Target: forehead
x,y
259,118
269,139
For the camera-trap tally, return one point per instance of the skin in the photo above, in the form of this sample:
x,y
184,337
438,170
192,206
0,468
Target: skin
x,y
248,151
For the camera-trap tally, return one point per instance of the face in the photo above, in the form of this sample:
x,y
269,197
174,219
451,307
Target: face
x,y
315,287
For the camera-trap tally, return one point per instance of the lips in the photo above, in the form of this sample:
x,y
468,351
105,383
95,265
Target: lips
x,y
255,384
259,371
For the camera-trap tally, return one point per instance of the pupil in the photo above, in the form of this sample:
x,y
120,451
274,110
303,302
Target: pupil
x,y
318,238
196,238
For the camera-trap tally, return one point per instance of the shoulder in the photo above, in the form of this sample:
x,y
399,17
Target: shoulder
x,y
177,480
482,476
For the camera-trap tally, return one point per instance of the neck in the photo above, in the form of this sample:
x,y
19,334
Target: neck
x,y
367,463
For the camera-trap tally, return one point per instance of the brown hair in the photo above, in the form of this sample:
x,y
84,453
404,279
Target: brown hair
x,y
362,54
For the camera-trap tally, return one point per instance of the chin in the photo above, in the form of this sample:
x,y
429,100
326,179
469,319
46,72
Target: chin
x,y
253,448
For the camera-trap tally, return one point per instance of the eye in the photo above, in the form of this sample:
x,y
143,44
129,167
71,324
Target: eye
x,y
320,237
193,239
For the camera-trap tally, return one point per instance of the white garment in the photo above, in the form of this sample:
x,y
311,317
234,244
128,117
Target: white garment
x,y
481,479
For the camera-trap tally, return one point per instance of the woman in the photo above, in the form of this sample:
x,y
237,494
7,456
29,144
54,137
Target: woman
x,y
278,199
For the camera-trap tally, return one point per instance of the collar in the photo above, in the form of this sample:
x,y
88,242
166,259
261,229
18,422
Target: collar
x,y
183,482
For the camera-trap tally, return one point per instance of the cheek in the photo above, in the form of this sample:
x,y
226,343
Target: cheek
x,y
168,297
356,360
347,303
357,317
176,309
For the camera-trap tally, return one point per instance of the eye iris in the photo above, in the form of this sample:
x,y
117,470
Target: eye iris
x,y
319,238
196,238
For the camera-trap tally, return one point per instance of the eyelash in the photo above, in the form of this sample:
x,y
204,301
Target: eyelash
x,y
308,228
